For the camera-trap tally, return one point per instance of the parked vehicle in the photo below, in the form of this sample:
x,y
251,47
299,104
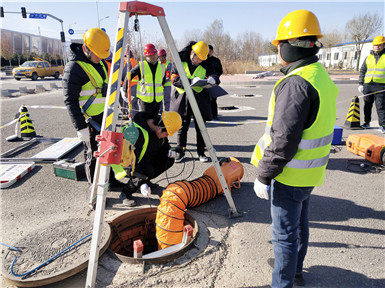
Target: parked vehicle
x,y
36,69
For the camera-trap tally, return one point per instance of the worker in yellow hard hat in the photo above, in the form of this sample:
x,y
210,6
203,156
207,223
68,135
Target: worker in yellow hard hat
x,y
292,154
153,152
193,57
85,82
372,81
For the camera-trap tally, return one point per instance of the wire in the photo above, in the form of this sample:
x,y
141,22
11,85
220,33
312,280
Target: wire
x,y
46,262
10,247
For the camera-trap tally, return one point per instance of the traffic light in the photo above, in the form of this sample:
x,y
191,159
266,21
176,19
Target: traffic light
x,y
63,37
1,12
23,12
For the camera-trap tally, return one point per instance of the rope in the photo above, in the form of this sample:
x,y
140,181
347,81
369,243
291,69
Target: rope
x,y
46,262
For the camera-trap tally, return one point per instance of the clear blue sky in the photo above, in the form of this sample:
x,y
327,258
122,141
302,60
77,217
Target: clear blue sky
x,y
262,17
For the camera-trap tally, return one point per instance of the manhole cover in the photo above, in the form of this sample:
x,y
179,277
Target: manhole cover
x,y
42,245
140,225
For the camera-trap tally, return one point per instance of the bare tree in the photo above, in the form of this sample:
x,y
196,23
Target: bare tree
x,y
331,39
222,42
250,45
360,28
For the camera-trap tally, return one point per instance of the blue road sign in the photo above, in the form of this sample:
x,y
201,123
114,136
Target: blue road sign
x,y
103,29
71,31
38,16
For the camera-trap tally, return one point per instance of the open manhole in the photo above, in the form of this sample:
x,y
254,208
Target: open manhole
x,y
140,225
227,107
56,242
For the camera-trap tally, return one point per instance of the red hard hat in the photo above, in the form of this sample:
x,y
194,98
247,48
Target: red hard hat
x,y
162,52
149,50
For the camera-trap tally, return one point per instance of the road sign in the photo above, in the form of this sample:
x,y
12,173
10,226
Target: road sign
x,y
71,31
38,16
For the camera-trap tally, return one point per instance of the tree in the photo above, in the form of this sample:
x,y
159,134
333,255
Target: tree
x,y
222,42
331,39
360,28
250,45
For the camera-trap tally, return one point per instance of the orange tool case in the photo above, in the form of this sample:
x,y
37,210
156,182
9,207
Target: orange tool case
x,y
369,146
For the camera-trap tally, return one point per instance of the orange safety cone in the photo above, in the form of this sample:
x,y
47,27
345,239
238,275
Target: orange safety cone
x,y
26,126
353,118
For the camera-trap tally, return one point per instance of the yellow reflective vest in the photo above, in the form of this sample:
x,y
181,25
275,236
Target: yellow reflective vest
x,y
307,168
375,71
199,72
147,90
94,86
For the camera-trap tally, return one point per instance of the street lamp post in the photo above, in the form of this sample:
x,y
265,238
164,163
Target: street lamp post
x,y
100,20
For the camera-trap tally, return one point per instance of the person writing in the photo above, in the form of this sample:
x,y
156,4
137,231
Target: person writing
x,y
193,58
292,155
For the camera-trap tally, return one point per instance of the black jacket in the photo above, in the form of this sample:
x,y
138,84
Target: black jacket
x,y
216,64
74,78
364,67
155,145
296,108
179,102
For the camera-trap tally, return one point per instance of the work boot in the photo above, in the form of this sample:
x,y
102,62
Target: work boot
x,y
203,158
299,280
180,157
127,202
365,125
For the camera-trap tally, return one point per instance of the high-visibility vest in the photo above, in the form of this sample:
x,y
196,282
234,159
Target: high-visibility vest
x,y
375,71
168,67
147,90
199,72
94,86
146,139
307,168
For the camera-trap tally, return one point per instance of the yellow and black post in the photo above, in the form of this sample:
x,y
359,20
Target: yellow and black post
x,y
26,126
353,118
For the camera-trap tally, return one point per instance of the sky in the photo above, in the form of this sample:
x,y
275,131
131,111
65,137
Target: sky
x,y
182,17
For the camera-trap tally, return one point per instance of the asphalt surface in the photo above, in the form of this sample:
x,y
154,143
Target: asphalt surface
x,y
347,235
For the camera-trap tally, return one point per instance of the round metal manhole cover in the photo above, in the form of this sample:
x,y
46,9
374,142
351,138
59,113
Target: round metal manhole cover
x,y
43,244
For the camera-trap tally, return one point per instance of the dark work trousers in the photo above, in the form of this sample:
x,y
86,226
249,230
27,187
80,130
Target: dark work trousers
x,y
151,109
378,98
182,132
214,107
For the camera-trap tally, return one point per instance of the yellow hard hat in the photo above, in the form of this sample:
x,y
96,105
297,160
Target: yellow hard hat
x,y
379,40
172,121
201,50
98,42
297,24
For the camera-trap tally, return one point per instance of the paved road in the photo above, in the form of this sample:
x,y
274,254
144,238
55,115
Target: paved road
x,y
347,212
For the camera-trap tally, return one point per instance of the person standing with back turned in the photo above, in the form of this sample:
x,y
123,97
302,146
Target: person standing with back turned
x,y
292,155
372,80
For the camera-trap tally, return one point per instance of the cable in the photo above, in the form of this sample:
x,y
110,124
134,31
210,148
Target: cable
x,y
46,262
10,247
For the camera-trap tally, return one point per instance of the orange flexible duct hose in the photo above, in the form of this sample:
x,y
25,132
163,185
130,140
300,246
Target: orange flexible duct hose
x,y
180,195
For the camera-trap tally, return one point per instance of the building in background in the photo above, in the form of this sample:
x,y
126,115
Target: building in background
x,y
341,56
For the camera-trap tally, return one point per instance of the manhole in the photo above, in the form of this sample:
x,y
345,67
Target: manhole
x,y
44,244
140,225
227,108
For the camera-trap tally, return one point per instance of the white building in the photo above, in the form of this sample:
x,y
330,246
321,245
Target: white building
x,y
343,56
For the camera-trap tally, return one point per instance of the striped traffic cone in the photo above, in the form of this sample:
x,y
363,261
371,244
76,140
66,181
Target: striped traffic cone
x,y
26,126
353,118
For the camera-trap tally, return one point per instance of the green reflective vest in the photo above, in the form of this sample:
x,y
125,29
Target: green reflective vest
x,y
94,86
146,140
199,72
147,91
375,71
307,168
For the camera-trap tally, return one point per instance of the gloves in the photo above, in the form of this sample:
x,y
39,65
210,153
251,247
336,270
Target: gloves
x,y
211,81
261,190
361,89
172,154
145,190
195,80
84,135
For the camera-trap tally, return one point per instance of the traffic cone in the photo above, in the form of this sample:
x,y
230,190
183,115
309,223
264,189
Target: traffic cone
x,y
353,118
26,126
